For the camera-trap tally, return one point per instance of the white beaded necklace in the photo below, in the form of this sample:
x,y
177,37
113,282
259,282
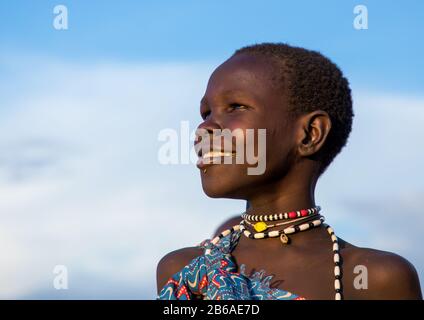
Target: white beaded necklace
x,y
284,239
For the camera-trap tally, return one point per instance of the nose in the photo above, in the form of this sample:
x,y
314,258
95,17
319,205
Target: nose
x,y
205,133
207,127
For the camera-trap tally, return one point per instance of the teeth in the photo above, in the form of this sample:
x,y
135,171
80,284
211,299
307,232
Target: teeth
x,y
213,154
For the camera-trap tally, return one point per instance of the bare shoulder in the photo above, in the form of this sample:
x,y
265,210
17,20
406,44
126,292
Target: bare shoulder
x,y
173,262
227,224
178,259
377,274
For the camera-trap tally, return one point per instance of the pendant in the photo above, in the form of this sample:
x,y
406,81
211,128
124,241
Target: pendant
x,y
284,239
260,226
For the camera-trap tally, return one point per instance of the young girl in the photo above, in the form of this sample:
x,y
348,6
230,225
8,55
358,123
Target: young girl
x,y
280,248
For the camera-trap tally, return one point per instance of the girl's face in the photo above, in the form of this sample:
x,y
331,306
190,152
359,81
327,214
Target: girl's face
x,y
242,94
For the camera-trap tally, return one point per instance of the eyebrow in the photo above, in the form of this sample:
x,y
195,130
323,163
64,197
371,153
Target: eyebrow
x,y
225,93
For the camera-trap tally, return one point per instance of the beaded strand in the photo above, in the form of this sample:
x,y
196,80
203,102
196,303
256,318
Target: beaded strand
x,y
278,233
261,226
337,263
281,215
290,230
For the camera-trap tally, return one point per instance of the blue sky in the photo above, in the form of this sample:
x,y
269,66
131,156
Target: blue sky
x,y
81,110
211,30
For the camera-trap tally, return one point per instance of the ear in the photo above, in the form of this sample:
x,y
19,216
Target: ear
x,y
313,131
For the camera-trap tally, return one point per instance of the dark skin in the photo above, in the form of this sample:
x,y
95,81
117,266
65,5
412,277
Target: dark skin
x,y
242,94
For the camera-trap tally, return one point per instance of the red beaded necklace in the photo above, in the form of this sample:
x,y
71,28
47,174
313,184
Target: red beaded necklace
x,y
262,226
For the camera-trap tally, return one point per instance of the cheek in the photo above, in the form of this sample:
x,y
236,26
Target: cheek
x,y
232,180
280,150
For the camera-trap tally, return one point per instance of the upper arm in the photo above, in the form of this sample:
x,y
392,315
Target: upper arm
x,y
391,277
172,263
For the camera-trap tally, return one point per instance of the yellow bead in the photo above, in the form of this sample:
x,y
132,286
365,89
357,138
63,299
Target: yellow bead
x,y
260,226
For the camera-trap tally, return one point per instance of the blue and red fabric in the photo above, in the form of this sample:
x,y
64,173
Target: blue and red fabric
x,y
214,276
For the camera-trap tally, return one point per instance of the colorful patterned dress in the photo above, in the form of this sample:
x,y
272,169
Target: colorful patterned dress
x,y
214,276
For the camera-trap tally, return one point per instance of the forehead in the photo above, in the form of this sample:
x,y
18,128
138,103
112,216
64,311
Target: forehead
x,y
244,74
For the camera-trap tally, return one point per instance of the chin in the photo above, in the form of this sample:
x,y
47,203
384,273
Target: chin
x,y
223,195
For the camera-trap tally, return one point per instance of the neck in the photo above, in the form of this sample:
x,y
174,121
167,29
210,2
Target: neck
x,y
294,192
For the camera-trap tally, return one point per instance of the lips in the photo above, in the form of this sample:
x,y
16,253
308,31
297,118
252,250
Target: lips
x,y
213,154
212,158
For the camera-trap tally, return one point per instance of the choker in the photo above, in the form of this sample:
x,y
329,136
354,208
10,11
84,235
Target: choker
x,y
262,226
281,215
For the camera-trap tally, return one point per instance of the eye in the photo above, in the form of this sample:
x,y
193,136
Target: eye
x,y
237,106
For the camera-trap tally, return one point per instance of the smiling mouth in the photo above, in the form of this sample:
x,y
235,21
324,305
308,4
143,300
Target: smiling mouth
x,y
213,157
217,154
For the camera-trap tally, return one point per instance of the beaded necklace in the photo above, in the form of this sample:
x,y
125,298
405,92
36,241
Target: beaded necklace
x,y
281,215
281,233
285,240
262,226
